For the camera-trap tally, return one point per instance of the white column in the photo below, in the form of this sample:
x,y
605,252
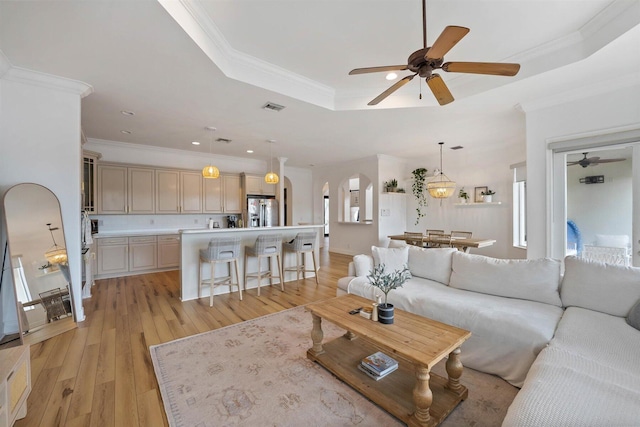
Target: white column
x,y
280,190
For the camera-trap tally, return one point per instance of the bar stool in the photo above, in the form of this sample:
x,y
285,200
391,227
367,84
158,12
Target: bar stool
x,y
224,250
266,246
303,244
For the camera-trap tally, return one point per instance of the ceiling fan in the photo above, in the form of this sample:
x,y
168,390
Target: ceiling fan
x,y
424,61
592,161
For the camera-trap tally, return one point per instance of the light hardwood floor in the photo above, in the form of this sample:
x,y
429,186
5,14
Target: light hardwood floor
x,y
100,374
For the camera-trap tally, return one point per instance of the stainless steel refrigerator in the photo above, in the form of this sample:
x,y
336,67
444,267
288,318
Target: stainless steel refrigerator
x,y
262,212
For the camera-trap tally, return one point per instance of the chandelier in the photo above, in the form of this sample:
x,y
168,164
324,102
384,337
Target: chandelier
x,y
57,254
271,177
440,186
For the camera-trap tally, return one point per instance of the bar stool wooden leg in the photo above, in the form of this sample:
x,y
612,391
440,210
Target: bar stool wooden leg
x,y
280,270
213,273
245,270
199,279
303,255
315,268
235,261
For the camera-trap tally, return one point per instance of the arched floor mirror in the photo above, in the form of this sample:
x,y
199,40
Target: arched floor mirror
x,y
39,264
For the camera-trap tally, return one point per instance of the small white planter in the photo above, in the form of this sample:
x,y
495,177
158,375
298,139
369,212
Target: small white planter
x,y
487,198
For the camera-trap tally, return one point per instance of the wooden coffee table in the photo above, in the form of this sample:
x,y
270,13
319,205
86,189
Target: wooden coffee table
x,y
411,393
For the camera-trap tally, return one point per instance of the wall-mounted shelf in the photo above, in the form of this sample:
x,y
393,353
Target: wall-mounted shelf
x,y
366,222
478,204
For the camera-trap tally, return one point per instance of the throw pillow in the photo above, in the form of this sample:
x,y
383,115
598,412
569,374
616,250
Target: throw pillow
x,y
392,258
634,316
528,279
432,263
363,265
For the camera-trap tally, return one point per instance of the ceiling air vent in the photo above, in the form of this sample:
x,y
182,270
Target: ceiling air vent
x,y
225,140
273,106
457,147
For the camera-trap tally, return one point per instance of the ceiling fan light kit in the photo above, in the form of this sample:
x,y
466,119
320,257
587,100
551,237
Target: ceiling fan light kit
x,y
424,61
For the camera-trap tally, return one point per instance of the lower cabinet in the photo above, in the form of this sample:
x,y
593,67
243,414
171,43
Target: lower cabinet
x,y
113,255
143,253
118,256
169,251
15,384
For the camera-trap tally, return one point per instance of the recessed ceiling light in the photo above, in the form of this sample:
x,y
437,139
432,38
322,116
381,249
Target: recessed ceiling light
x,y
212,128
391,76
250,151
127,113
126,132
195,143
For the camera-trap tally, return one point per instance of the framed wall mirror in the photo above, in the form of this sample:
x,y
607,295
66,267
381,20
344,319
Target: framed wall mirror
x,y
10,311
38,258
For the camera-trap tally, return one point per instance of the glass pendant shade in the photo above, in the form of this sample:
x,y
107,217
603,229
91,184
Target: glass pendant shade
x,y
210,172
440,186
271,178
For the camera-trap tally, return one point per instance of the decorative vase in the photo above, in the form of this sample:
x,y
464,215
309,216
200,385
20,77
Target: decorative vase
x,y
463,200
385,313
487,198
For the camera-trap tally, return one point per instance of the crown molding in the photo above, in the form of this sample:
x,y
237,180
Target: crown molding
x,y
195,21
576,94
22,75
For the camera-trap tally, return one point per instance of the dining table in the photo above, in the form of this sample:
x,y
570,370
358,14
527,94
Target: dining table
x,y
461,243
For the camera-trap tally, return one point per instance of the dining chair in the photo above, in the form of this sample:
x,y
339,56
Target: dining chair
x,y
414,239
441,240
463,234
429,233
53,304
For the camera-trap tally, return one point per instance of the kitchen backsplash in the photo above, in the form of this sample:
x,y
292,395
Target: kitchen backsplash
x,y
156,222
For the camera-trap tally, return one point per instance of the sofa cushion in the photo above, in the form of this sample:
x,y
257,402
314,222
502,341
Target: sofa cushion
x,y
433,264
633,319
611,289
533,280
363,265
392,258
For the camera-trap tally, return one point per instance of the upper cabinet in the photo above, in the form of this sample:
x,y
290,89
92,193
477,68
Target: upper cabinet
x,y
126,189
255,185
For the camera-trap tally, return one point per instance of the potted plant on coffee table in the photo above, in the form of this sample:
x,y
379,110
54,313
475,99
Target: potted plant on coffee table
x,y
386,282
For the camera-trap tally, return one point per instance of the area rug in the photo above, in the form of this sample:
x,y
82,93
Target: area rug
x,y
256,373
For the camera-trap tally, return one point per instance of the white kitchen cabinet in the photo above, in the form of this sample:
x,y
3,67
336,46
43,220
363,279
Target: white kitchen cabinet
x,y
255,185
190,192
212,195
141,190
232,194
169,251
15,384
167,191
113,255
112,189
143,253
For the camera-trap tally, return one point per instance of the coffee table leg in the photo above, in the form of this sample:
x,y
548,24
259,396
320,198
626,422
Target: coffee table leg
x,y
422,396
350,335
454,369
316,335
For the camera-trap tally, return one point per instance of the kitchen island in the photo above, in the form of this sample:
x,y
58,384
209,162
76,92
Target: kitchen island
x,y
192,240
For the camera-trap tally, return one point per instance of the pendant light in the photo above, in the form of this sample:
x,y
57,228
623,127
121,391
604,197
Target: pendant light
x,y
271,177
210,171
440,186
57,254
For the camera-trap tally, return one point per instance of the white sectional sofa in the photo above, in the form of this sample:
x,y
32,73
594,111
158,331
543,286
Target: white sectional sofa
x,y
563,340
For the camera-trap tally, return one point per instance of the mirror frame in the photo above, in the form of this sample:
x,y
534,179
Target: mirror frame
x,y
6,262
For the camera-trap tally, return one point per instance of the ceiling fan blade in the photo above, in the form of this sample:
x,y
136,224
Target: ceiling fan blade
x,y
494,68
607,161
572,163
378,69
392,89
439,89
449,37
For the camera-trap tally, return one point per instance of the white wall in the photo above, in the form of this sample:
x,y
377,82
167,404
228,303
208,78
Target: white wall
x,y
590,115
469,169
40,134
346,238
301,194
601,208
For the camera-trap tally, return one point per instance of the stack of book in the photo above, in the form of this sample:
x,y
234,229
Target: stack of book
x,y
378,365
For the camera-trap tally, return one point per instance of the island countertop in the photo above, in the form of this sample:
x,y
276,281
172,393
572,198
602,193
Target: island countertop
x,y
226,230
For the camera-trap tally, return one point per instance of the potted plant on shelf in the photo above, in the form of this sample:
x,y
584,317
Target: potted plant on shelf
x,y
463,195
417,187
487,196
391,186
386,282
46,268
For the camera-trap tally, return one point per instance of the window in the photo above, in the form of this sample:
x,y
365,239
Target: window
x,y
22,290
519,206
